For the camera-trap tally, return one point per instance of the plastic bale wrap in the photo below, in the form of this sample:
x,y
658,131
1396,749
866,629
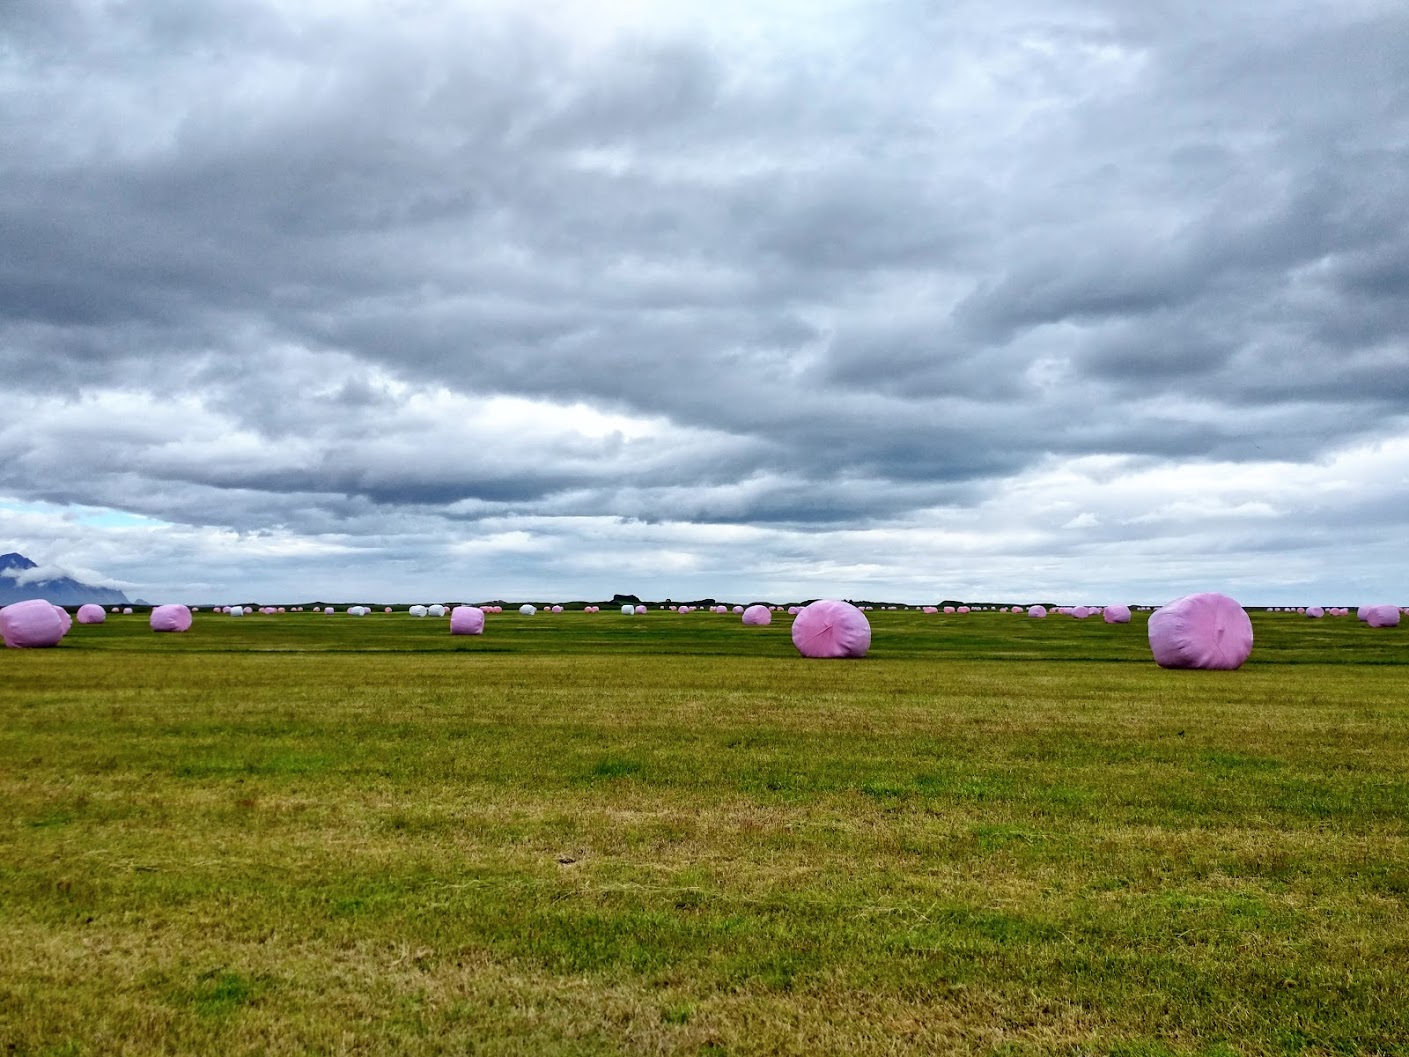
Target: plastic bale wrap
x,y
1382,616
557,609
640,611
237,611
170,618
417,611
1315,612
757,616
1207,630
1080,613
31,624
91,614
64,618
527,610
1116,614
127,611
960,609
466,620
1037,612
1362,614
628,611
436,610
831,629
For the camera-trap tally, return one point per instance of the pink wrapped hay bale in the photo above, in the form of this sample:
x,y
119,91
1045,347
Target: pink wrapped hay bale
x,y
467,620
31,624
91,614
640,611
1382,616
930,609
757,616
1315,612
64,618
170,618
1116,614
1037,612
1206,630
948,609
961,609
738,609
831,629
1362,614
127,611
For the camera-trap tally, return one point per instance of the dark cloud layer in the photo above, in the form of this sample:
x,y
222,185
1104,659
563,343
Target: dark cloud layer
x,y
866,261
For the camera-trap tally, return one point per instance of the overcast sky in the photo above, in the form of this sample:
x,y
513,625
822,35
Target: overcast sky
x,y
1078,299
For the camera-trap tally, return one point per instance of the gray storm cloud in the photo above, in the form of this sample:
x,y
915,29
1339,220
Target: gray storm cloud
x,y
268,269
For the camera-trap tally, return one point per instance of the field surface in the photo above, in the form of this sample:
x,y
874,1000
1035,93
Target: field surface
x,y
592,834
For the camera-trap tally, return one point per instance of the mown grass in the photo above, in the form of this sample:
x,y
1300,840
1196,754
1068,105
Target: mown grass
x,y
593,834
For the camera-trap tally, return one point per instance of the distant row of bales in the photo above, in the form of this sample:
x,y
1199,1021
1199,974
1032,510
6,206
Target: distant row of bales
x,y
1206,630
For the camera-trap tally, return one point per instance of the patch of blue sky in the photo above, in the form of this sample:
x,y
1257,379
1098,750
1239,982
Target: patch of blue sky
x,y
96,517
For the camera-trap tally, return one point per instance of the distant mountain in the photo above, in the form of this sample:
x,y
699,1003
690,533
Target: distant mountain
x,y
21,578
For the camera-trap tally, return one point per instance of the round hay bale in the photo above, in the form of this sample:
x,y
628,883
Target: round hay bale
x,y
831,629
91,614
1037,612
31,624
1206,630
466,620
527,610
757,616
1384,616
1116,614
1315,612
640,611
170,618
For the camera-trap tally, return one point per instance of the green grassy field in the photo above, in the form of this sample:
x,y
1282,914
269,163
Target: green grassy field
x,y
589,834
